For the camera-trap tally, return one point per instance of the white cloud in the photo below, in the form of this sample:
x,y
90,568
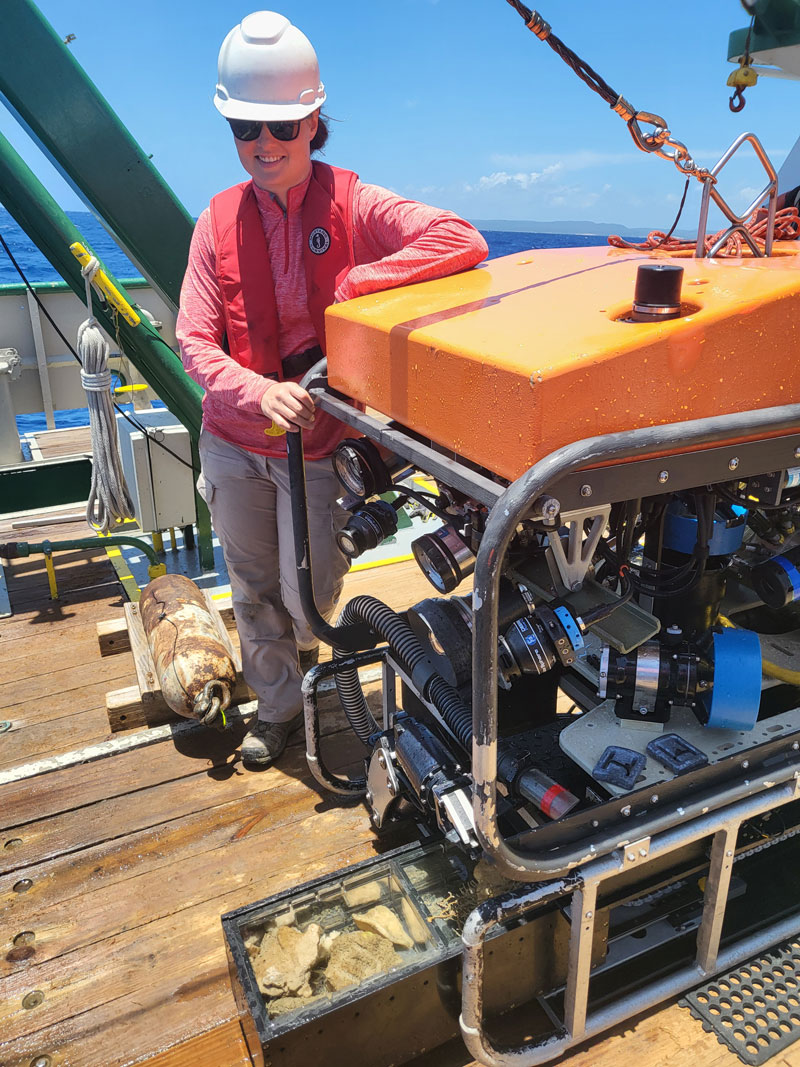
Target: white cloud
x,y
521,179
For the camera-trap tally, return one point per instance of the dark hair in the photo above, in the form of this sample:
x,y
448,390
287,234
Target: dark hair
x,y
320,138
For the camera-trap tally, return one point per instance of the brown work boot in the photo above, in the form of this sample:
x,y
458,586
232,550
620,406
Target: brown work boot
x,y
265,741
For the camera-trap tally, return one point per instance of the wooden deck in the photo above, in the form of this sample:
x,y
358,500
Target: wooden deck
x,y
114,873
53,444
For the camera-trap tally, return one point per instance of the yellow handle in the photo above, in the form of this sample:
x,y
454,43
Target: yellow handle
x,y
274,431
106,287
51,575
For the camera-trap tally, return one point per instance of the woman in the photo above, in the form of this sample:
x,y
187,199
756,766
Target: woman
x,y
266,259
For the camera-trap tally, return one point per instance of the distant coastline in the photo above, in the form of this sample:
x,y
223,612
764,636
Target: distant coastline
x,y
569,226
504,236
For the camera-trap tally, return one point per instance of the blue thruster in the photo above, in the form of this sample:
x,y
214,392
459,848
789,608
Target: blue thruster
x,y
735,699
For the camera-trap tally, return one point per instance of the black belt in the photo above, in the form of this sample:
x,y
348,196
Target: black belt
x,y
294,366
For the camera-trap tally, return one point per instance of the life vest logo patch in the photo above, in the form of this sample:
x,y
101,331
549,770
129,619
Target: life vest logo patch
x,y
319,240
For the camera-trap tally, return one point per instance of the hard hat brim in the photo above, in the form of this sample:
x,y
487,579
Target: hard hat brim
x,y
249,110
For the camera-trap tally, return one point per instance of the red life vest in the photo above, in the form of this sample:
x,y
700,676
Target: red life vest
x,y
245,275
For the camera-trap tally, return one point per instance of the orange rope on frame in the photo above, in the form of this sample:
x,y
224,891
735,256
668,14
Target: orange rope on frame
x,y
787,227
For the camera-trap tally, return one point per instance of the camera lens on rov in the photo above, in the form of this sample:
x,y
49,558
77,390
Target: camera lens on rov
x,y
443,558
362,470
367,528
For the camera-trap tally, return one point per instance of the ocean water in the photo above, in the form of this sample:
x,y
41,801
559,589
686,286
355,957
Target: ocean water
x,y
37,269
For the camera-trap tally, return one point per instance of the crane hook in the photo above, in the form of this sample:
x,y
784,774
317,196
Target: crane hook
x,y
737,101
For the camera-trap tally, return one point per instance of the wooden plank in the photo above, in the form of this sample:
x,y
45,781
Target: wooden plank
x,y
46,522
79,899
69,698
72,592
67,559
107,818
27,663
76,569
104,818
78,786
146,674
125,710
224,1044
167,901
25,625
224,605
72,603
69,595
76,440
36,693
26,742
146,988
73,571
105,821
112,636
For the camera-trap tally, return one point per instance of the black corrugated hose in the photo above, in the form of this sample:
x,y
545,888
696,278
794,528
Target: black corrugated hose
x,y
406,646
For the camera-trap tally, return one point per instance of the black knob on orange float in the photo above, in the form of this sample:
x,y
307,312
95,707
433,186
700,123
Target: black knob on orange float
x,y
658,291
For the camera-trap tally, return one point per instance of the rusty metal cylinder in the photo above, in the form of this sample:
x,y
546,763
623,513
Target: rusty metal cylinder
x,y
195,669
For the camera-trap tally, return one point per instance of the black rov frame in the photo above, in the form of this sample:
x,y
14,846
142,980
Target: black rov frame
x,y
587,852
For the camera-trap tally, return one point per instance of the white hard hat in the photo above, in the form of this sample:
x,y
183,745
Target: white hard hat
x,y
268,70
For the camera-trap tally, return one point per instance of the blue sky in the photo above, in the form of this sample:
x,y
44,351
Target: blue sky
x,y
449,101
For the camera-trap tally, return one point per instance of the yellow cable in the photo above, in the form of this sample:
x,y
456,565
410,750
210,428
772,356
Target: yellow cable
x,y
772,670
783,674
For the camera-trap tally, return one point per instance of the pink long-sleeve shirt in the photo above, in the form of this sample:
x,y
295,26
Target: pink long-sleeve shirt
x,y
396,242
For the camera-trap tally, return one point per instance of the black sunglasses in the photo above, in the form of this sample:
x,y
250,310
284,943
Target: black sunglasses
x,y
249,130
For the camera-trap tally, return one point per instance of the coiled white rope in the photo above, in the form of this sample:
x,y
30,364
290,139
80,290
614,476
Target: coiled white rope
x,y
109,499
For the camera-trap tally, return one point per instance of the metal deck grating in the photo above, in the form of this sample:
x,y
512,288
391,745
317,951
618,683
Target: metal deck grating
x,y
754,1009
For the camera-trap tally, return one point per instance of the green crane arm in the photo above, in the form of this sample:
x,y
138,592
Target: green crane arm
x,y
53,232
62,109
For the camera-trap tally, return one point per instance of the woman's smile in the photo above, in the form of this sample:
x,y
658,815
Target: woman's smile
x,y
277,166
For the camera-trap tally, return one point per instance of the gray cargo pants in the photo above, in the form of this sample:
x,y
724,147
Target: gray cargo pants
x,y
248,497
